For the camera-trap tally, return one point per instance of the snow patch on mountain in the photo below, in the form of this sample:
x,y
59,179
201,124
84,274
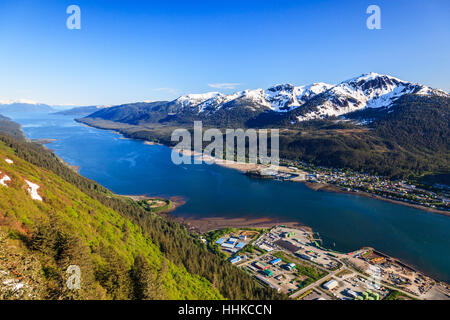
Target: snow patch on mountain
x,y
191,100
32,190
24,101
253,99
4,180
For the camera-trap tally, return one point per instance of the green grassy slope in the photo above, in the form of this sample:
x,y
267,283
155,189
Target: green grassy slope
x,y
71,228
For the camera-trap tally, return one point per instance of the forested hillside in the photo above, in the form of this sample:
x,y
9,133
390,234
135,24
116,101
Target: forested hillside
x,y
409,138
123,251
11,128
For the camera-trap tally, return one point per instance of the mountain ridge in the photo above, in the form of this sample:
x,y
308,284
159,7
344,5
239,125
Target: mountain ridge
x,y
286,101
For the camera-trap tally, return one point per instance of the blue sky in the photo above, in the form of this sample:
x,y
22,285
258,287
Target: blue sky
x,y
152,50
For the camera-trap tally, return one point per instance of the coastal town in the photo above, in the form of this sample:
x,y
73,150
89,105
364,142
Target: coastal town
x,y
292,261
399,190
435,197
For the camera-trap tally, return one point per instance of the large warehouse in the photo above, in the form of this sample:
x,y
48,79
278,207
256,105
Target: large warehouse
x,y
330,285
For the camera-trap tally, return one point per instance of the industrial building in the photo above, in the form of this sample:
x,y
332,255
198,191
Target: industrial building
x,y
235,260
270,284
268,273
290,266
330,285
240,245
351,293
368,295
227,245
220,241
230,243
275,261
261,265
305,256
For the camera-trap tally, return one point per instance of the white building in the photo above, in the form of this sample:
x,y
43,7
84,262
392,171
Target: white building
x,y
330,285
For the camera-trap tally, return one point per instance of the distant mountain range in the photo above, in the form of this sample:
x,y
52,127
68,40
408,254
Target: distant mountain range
x,y
281,104
23,106
80,111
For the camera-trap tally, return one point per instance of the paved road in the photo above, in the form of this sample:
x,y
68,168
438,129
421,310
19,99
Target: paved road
x,y
315,284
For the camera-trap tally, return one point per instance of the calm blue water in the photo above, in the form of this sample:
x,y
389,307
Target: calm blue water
x,y
345,222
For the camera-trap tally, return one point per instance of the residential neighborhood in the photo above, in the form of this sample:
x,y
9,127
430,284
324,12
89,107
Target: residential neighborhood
x,y
436,196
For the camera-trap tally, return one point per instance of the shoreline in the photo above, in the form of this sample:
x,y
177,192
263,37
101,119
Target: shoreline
x,y
207,224
176,201
49,141
204,225
331,188
246,167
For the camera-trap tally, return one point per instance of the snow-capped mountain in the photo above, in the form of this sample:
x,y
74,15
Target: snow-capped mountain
x,y
279,98
287,97
24,101
12,106
279,104
369,90
192,100
213,101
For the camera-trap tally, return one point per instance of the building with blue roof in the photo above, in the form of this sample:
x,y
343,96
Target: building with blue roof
x,y
275,261
235,259
227,245
240,245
